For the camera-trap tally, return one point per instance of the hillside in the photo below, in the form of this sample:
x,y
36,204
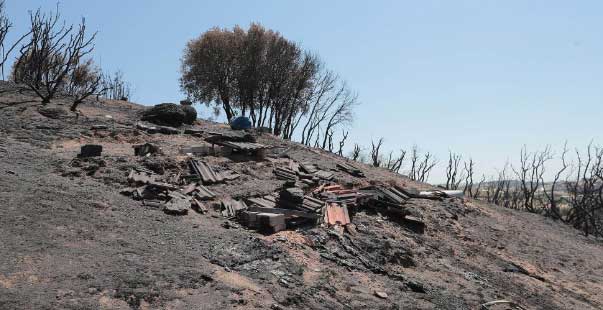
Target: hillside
x,y
72,238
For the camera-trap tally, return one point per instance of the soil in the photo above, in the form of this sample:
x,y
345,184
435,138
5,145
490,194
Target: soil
x,y
70,240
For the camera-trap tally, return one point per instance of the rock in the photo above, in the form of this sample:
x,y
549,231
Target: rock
x,y
177,206
91,150
168,114
186,102
382,295
53,112
416,287
190,114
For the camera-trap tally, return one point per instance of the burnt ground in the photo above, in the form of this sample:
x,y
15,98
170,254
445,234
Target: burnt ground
x,y
70,240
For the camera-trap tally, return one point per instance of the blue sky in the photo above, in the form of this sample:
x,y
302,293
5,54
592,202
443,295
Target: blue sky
x,y
481,78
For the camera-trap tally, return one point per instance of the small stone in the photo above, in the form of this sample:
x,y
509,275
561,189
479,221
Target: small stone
x,y
381,295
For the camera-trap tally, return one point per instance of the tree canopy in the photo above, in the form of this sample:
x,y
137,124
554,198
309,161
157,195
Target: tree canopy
x,y
259,73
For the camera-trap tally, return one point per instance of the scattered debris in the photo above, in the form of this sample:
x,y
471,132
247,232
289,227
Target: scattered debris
x,y
288,213
268,201
234,136
336,193
351,170
178,204
141,177
285,174
194,132
513,305
256,149
199,206
291,198
270,222
90,150
231,207
204,172
146,149
414,224
336,214
324,175
197,150
157,129
440,194
199,191
167,130
147,128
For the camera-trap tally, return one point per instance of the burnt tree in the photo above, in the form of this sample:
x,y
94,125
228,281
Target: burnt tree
x,y
53,51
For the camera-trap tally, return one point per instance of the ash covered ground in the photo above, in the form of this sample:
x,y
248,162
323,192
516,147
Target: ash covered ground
x,y
71,239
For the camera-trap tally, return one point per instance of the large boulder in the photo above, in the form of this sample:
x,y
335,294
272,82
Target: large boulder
x,y
190,114
167,114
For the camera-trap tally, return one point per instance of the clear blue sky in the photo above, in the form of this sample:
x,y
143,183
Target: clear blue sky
x,y
481,78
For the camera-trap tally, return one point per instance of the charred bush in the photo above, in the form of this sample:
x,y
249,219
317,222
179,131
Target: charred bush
x,y
190,114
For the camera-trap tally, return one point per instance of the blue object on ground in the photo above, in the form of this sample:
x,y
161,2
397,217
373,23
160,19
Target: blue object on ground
x,y
240,123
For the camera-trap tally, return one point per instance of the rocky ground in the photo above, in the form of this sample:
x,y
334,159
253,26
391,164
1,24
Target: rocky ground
x,y
70,240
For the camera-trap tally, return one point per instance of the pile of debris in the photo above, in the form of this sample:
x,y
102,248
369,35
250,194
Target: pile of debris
x,y
206,174
238,142
309,196
157,129
306,173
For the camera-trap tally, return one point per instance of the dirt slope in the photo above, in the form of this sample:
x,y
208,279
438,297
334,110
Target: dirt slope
x,y
70,240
